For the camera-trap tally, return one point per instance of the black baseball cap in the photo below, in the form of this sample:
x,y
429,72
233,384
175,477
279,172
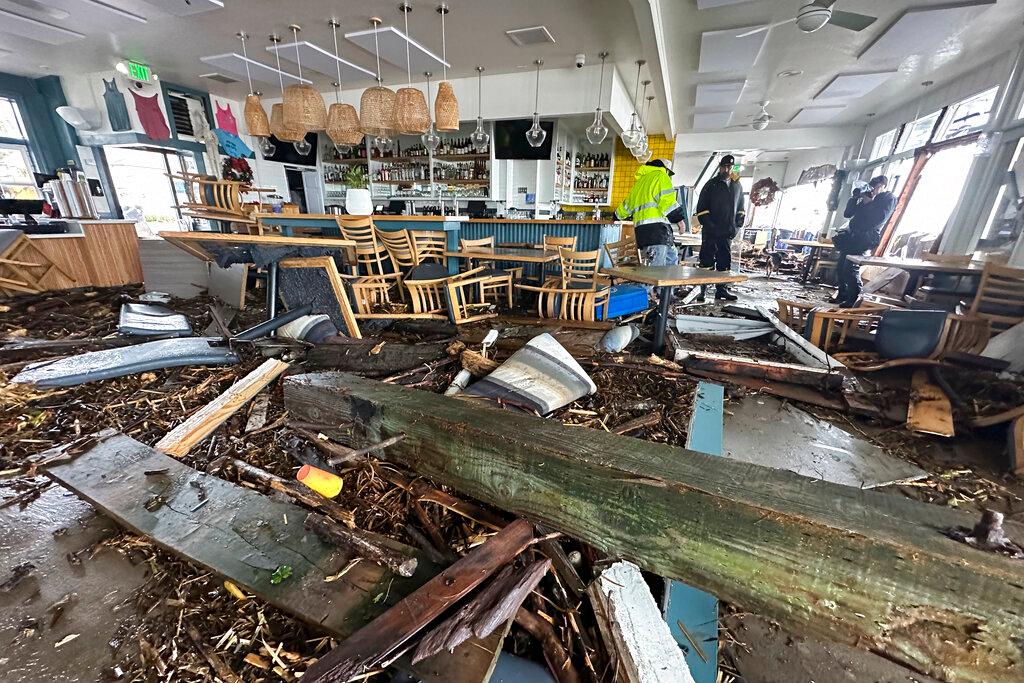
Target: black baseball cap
x,y
728,159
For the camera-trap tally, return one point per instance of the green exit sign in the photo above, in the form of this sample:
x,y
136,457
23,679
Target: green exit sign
x,y
139,72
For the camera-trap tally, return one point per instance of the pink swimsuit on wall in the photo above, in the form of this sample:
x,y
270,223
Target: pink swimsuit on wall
x,y
226,119
153,121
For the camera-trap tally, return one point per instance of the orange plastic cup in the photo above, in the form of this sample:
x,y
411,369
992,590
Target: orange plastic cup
x,y
326,484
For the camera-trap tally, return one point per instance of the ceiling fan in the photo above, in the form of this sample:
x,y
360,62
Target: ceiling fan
x,y
815,15
760,120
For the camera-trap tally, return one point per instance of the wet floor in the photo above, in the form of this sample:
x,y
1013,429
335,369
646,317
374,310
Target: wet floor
x,y
61,607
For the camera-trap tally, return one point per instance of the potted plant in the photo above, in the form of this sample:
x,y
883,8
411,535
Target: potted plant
x,y
357,194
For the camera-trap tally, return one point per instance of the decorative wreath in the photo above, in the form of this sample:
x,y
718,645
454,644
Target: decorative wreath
x,y
763,192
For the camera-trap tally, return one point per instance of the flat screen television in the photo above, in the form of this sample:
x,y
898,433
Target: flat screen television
x,y
510,140
286,154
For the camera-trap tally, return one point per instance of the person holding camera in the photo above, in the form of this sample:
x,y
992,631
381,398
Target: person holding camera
x,y
868,210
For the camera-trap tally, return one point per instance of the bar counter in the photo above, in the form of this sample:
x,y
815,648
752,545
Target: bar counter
x,y
94,253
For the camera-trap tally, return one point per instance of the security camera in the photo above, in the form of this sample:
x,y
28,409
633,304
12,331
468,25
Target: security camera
x,y
581,59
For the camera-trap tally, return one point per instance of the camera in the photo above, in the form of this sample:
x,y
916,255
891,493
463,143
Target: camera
x,y
581,59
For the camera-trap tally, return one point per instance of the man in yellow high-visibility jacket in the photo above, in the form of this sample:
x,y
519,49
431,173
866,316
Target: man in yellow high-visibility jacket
x,y
653,208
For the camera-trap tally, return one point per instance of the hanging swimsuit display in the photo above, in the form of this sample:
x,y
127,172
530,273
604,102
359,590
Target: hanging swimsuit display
x,y
226,119
153,121
117,110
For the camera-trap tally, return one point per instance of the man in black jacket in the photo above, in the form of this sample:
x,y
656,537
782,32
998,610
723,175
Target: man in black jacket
x,y
868,210
720,212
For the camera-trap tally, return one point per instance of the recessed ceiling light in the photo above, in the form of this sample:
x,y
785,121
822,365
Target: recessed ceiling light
x,y
789,73
870,114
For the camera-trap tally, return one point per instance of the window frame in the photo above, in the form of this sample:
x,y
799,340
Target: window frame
x,y
909,126
21,143
952,109
896,133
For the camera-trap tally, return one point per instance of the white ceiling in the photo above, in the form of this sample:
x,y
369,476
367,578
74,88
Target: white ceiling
x,y
173,45
951,43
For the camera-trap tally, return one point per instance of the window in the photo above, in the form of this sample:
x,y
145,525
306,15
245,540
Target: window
x,y
918,132
16,179
883,145
968,116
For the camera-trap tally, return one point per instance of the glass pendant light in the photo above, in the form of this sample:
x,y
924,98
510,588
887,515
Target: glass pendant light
x,y
267,147
536,135
631,137
302,146
597,131
383,143
431,140
480,138
641,146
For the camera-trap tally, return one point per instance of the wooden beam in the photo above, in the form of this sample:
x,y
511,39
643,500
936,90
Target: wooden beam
x,y
930,410
379,639
761,369
180,440
824,560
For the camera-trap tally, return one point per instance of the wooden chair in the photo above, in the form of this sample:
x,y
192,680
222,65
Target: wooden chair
x,y
457,298
499,286
826,327
577,292
213,199
623,253
398,244
372,259
551,243
960,334
1000,297
429,245
24,269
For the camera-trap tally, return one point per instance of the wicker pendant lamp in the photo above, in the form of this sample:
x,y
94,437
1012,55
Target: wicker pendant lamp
x,y
411,117
377,104
256,121
446,106
303,106
277,123
342,120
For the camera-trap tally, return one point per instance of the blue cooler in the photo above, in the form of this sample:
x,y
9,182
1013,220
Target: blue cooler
x,y
625,299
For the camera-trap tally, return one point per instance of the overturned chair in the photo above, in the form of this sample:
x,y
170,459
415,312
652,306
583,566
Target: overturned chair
x,y
578,292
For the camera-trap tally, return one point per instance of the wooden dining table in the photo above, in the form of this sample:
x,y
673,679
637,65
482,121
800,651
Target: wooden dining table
x,y
665,278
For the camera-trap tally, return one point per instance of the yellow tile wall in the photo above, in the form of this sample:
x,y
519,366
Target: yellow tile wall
x,y
626,165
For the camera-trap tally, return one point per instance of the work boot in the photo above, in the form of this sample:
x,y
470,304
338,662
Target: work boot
x,y
722,293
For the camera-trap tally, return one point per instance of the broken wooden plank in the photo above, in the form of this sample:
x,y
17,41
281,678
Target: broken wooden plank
x,y
998,418
360,543
930,411
246,537
819,378
1015,446
632,626
494,605
824,560
557,658
373,644
180,440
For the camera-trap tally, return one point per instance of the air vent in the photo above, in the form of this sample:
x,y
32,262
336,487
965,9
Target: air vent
x,y
220,78
534,35
180,115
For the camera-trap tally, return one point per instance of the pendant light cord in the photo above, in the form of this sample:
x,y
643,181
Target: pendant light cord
x,y
444,48
536,91
600,86
376,51
408,61
280,74
636,87
298,59
479,90
337,62
246,55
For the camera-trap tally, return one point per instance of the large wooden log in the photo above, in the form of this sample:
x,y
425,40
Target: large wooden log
x,y
825,560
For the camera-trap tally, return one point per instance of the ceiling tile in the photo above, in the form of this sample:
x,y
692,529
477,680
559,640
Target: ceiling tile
x,y
392,49
709,120
711,4
723,51
320,60
183,8
845,87
43,31
234,63
918,30
718,94
816,116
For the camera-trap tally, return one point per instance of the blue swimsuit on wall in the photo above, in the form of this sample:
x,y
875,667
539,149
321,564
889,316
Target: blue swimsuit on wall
x,y
117,111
